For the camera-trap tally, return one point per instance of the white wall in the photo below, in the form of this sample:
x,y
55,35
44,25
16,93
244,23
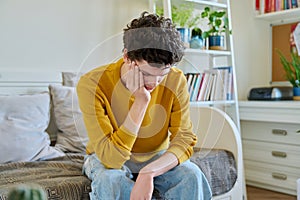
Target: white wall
x,y
58,35
252,47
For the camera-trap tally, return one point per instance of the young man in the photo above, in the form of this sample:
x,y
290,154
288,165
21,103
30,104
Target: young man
x,y
136,113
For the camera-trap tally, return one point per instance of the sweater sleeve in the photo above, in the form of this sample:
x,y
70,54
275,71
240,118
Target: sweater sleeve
x,y
112,144
182,137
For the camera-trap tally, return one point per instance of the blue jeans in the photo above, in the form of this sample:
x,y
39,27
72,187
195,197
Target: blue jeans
x,y
185,181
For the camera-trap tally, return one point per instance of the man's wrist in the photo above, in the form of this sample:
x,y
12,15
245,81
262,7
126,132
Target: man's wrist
x,y
131,125
146,174
142,99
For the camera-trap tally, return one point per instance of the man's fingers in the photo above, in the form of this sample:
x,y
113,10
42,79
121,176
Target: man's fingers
x,y
136,78
141,79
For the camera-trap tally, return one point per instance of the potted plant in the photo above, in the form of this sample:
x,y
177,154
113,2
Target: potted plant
x,y
218,26
183,18
27,192
292,70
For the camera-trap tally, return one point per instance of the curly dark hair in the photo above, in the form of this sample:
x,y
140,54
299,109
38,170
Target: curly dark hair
x,y
154,39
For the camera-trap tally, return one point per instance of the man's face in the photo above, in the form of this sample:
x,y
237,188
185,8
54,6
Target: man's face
x,y
153,76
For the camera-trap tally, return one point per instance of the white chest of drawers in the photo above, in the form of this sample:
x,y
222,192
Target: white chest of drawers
x,y
271,144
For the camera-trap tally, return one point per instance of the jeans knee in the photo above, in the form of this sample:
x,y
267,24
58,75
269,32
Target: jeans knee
x,y
110,177
111,184
193,174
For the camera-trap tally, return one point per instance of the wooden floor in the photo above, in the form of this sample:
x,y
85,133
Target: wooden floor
x,y
254,193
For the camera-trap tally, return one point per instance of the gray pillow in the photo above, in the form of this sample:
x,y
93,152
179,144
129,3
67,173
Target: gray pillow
x,y
71,78
23,121
71,135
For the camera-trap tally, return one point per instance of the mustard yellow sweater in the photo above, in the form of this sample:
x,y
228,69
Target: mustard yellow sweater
x,y
105,102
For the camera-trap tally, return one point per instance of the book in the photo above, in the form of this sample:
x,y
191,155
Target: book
x,y
294,3
230,84
203,86
272,5
257,6
208,86
211,86
267,6
192,86
278,5
190,77
194,95
262,6
214,86
219,86
286,4
227,81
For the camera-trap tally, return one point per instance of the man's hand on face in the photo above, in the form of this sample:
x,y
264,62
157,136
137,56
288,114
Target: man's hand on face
x,y
134,82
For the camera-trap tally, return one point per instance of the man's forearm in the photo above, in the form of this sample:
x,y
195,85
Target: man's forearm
x,y
135,116
160,166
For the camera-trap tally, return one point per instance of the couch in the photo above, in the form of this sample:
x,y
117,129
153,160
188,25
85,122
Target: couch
x,y
43,139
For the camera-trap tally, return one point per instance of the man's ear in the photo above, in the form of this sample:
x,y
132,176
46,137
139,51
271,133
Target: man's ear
x,y
125,56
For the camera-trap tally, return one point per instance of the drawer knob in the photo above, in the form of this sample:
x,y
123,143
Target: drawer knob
x,y
279,154
279,176
279,132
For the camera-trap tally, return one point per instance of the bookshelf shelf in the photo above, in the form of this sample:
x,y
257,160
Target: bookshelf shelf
x,y
281,16
209,52
209,3
211,103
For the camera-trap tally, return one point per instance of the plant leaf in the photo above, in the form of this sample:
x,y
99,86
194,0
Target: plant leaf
x,y
292,68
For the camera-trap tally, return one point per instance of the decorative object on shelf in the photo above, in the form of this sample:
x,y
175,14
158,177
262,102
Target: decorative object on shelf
x,y
292,69
271,93
185,34
296,92
183,18
219,26
197,41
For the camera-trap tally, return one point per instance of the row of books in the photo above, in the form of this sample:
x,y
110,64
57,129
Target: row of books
x,y
210,85
267,6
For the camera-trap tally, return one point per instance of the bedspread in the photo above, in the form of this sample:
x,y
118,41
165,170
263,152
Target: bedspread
x,y
62,177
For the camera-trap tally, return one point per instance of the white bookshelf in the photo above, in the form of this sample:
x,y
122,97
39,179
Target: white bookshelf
x,y
199,60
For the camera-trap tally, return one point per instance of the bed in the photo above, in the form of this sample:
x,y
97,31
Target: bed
x,y
52,149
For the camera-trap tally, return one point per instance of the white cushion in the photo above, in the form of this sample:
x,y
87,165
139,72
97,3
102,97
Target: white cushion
x,y
72,136
23,121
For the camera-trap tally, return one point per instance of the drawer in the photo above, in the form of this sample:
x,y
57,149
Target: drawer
x,y
279,154
268,174
271,132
